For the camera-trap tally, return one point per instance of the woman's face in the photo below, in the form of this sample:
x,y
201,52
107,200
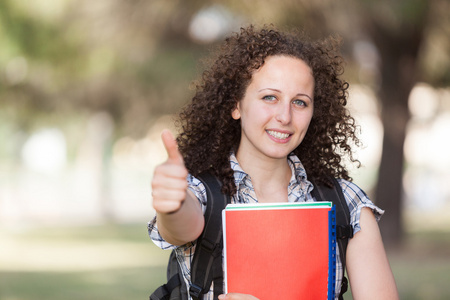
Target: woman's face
x,y
276,109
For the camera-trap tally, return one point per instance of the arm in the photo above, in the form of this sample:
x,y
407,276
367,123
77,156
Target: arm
x,y
367,265
184,225
179,214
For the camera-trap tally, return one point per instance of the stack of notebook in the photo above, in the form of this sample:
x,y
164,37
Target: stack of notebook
x,y
280,250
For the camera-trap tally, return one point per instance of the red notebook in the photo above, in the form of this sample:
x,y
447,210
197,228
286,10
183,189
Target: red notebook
x,y
280,251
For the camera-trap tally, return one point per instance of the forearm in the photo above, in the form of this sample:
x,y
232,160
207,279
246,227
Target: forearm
x,y
367,264
184,225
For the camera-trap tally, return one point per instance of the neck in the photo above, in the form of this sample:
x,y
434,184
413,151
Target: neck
x,y
270,177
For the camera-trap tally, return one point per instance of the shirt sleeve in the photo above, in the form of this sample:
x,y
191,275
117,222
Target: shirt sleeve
x,y
197,187
356,200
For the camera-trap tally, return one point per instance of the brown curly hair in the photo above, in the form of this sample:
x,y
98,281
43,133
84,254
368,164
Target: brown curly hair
x,y
209,133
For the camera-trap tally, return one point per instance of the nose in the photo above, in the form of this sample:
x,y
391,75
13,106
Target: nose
x,y
284,113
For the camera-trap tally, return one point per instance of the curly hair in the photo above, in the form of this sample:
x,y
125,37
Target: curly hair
x,y
209,133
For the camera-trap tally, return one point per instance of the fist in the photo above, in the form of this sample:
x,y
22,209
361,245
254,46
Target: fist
x,y
169,185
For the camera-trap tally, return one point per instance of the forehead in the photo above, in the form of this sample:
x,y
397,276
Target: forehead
x,y
282,68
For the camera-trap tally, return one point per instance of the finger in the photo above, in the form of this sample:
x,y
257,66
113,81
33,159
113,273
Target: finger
x,y
237,296
169,170
171,147
169,195
167,206
170,183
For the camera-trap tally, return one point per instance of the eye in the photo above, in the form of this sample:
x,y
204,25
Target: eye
x,y
299,102
269,98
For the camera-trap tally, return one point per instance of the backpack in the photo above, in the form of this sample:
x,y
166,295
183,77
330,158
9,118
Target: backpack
x,y
206,266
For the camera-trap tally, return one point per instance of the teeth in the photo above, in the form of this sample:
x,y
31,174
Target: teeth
x,y
278,135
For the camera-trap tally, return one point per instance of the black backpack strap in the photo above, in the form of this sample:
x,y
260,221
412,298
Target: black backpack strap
x,y
164,291
344,229
207,261
168,290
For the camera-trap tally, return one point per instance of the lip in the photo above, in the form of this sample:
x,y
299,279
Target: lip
x,y
277,139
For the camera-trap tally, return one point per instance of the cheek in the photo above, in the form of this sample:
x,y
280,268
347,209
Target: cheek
x,y
257,114
304,120
310,116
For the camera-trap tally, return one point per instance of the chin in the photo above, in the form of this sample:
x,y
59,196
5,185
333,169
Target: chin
x,y
278,155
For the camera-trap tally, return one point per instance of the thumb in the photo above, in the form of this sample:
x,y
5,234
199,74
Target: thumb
x,y
171,147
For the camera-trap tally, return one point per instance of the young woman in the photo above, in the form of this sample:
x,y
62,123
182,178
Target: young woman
x,y
268,115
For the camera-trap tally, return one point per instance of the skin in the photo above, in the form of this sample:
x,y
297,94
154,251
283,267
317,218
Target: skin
x,y
236,296
179,214
368,267
275,113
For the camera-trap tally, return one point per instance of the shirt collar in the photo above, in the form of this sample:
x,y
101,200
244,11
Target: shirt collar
x,y
239,175
299,180
298,170
299,186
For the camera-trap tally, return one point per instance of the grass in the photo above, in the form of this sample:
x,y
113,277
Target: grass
x,y
99,262
124,283
422,266
120,262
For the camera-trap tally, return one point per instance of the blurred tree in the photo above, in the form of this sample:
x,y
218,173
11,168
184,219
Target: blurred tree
x,y
132,59
399,31
135,59
34,62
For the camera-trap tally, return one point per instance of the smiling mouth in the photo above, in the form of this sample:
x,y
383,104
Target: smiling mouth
x,y
278,135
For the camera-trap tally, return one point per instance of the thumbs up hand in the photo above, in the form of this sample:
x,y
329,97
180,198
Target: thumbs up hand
x,y
169,185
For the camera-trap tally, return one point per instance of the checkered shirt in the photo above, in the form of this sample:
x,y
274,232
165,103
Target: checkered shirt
x,y
299,190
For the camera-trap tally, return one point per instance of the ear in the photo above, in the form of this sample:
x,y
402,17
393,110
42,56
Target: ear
x,y
236,114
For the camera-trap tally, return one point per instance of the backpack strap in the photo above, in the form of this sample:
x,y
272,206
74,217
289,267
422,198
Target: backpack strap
x,y
344,229
175,283
207,261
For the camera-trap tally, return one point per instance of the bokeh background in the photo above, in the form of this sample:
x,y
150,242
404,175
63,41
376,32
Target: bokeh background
x,y
87,86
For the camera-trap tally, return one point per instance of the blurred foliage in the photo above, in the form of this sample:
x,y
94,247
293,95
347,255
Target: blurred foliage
x,y
64,62
104,56
136,59
134,281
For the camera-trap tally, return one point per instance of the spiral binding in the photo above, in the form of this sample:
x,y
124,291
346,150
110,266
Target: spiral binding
x,y
332,254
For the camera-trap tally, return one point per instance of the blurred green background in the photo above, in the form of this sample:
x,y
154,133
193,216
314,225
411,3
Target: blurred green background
x,y
87,86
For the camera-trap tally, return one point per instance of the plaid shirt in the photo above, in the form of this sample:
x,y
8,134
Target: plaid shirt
x,y
299,190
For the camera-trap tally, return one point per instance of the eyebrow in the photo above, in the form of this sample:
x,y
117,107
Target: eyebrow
x,y
278,91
